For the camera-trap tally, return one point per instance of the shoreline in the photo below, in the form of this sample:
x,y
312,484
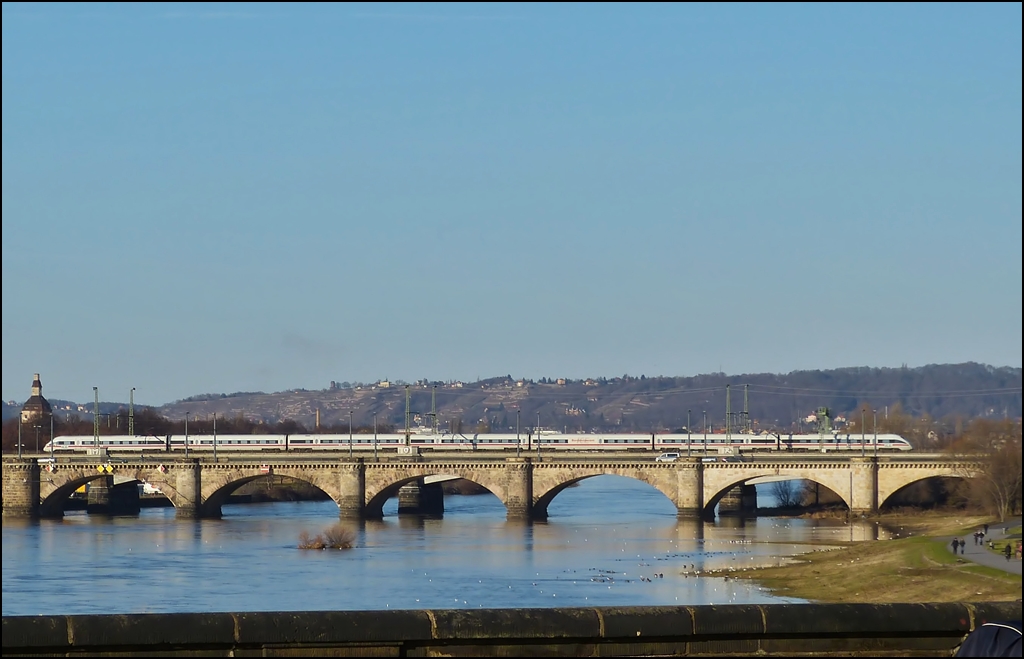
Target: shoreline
x,y
918,568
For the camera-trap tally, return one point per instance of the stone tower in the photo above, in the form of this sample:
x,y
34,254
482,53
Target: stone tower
x,y
36,407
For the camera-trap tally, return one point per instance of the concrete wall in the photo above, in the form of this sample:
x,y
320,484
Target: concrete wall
x,y
779,629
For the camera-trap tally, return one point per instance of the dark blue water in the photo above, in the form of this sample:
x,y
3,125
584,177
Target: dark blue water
x,y
601,538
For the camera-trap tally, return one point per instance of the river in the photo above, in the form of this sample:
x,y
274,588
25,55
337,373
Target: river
x,y
606,543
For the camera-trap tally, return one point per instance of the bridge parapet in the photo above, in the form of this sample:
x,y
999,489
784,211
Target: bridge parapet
x,y
753,630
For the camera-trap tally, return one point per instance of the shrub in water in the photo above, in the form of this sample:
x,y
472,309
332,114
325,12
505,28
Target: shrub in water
x,y
334,537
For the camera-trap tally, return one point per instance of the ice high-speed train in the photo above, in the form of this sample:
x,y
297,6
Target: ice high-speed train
x,y
545,441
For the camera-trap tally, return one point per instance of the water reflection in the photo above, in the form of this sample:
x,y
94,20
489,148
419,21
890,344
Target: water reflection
x,y
603,544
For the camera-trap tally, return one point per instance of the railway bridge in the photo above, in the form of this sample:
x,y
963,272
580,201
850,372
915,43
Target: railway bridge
x,y
197,487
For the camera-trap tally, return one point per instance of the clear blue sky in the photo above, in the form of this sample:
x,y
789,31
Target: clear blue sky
x,y
215,198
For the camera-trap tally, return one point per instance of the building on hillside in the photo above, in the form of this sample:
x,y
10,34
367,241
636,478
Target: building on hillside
x,y
36,407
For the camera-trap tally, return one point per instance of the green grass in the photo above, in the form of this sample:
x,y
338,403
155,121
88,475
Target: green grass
x,y
915,569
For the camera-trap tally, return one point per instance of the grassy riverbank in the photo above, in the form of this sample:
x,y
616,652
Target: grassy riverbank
x,y
912,569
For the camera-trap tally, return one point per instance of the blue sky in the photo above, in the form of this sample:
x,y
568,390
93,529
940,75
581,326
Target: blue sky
x,y
215,198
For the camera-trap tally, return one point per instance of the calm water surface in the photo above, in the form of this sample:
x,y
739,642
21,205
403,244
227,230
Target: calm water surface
x,y
601,538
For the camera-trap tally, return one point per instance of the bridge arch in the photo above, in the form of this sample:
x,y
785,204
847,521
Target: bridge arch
x,y
892,478
550,481
382,484
720,479
58,482
220,481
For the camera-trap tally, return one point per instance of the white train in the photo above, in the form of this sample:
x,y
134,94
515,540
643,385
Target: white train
x,y
546,441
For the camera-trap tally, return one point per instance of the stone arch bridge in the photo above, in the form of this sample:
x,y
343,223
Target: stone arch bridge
x,y
198,487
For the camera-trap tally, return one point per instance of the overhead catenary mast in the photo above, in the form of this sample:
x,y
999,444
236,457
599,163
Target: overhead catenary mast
x,y
96,416
407,417
728,415
746,410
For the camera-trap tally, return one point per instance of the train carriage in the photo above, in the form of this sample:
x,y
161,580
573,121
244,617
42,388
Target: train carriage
x,y
545,441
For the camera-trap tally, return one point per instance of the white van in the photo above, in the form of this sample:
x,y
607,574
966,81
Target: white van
x,y
667,457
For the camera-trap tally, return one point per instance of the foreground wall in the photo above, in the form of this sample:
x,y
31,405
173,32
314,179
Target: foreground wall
x,y
778,629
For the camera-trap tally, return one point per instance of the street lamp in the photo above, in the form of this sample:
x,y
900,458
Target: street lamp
x,y
19,436
215,437
705,413
688,445
874,427
350,433
518,441
863,448
375,437
96,417
131,412
538,435
186,435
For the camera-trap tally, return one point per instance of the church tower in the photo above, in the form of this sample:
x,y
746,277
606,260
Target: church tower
x,y
36,407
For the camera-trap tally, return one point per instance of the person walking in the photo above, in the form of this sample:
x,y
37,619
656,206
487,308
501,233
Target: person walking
x,y
963,545
955,544
1008,551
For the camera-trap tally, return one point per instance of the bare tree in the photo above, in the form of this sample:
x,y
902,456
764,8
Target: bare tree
x,y
995,477
785,493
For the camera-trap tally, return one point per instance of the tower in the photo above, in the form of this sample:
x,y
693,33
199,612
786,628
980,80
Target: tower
x,y
36,408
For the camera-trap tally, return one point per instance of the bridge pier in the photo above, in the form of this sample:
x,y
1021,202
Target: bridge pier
x,y
352,482
125,500
189,487
690,485
105,498
519,488
419,498
20,488
739,500
863,486
97,495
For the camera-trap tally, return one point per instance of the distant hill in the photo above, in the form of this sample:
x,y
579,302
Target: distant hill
x,y
640,403
628,404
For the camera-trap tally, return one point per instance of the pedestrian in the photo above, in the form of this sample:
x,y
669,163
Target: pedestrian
x,y
956,545
993,639
963,545
1008,551
986,529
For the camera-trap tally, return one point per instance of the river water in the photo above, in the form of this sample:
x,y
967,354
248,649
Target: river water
x,y
603,545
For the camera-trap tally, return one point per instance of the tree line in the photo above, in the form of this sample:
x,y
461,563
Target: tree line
x,y
149,422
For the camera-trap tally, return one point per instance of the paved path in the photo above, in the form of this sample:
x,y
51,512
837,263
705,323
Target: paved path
x,y
983,556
